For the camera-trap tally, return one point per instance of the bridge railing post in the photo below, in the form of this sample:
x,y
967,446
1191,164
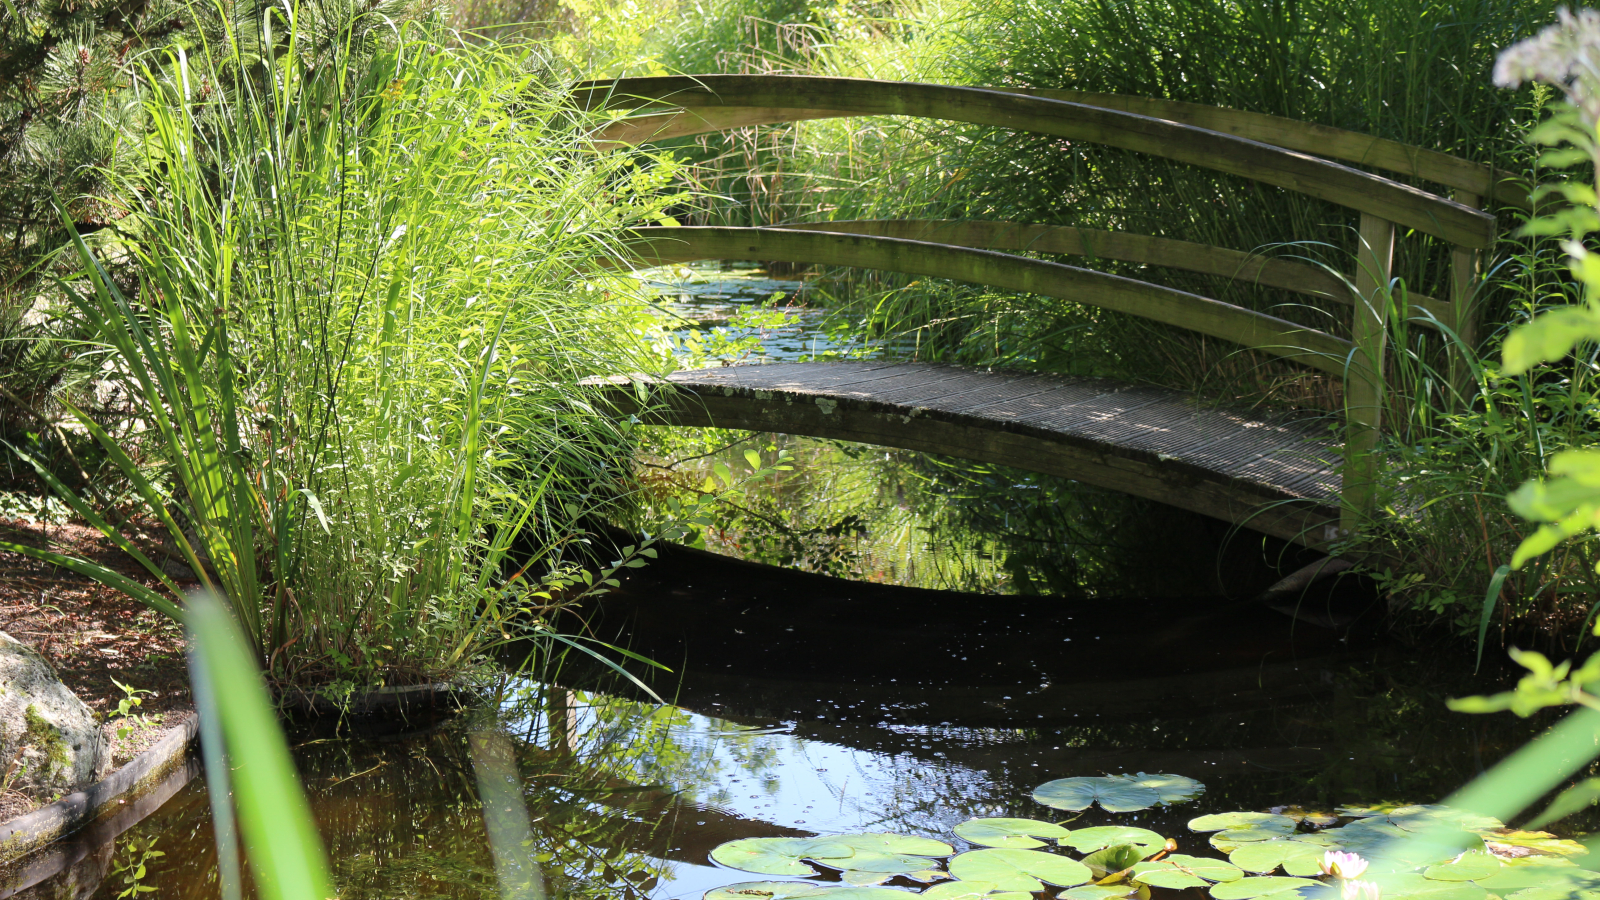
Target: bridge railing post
x,y
1464,263
1363,390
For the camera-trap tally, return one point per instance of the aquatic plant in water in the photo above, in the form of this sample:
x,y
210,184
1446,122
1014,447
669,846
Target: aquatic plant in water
x,y
1392,852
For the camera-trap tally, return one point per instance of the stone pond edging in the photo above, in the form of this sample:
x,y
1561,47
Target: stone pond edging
x,y
28,833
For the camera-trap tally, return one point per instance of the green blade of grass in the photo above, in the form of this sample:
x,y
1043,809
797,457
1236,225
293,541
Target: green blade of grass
x,y
108,577
285,851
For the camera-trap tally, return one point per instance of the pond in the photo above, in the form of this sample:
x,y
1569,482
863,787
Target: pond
x,y
806,704
878,641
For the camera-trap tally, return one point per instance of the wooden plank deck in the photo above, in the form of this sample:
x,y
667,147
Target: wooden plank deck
x,y
1272,474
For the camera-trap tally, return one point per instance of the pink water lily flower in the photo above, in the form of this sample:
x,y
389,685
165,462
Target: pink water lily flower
x,y
1352,889
1343,865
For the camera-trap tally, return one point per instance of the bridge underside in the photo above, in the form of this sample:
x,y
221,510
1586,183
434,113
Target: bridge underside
x,y
1269,474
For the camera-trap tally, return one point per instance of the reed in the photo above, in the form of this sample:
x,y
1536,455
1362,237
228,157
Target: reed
x,y
363,308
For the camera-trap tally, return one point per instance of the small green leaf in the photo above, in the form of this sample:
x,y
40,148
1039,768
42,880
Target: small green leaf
x,y
1112,860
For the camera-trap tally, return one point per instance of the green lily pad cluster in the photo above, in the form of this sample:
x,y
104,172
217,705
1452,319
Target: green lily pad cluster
x,y
1412,852
1417,852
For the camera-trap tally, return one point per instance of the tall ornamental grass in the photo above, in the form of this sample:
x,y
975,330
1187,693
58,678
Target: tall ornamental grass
x,y
361,315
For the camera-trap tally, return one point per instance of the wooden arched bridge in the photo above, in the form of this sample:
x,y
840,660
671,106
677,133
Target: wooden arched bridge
x,y
1268,473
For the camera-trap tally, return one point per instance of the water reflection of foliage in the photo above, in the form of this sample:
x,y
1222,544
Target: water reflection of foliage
x,y
877,514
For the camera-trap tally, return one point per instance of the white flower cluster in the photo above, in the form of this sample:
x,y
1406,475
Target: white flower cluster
x,y
1565,55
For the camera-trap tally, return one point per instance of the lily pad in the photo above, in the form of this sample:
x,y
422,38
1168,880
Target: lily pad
x,y
1516,878
1019,870
1173,788
1123,891
1546,893
1261,886
1016,834
1243,820
1111,860
1470,867
779,856
1117,793
1412,886
896,844
1113,794
795,890
1088,840
886,863
1533,842
970,890
1233,838
1314,817
765,890
1264,857
1179,871
1416,817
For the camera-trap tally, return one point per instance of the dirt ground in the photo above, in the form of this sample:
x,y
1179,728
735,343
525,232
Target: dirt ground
x,y
94,637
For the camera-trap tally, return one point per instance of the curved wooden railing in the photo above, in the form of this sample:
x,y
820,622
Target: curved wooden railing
x,y
1308,346
1494,186
1266,149
1402,204
1252,268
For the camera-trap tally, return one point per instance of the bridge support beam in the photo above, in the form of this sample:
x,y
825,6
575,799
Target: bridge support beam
x,y
1464,263
1364,381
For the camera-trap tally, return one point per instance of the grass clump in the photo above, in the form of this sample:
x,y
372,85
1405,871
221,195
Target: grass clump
x,y
365,298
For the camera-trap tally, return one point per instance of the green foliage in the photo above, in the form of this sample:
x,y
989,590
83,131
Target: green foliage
x,y
132,868
285,852
125,707
1567,502
356,344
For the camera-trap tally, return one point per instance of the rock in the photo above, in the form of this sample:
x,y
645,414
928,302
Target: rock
x,y
49,740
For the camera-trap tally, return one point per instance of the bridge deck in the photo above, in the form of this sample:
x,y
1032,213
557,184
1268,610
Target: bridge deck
x,y
1270,473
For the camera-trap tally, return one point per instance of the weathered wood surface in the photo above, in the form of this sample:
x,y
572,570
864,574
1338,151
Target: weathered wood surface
x,y
1504,188
1315,177
1317,349
1254,268
1270,474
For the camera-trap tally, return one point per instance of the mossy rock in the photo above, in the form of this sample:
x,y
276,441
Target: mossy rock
x,y
51,734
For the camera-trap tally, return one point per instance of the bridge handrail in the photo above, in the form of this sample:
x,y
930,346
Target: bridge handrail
x,y
1254,268
1247,327
1495,185
1453,222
